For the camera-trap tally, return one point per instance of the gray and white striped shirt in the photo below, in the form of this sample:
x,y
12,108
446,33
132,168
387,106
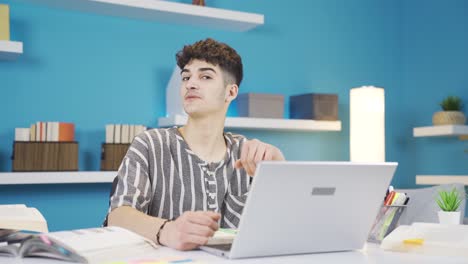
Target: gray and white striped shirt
x,y
162,177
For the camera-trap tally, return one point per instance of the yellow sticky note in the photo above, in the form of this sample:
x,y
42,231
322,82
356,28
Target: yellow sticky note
x,y
4,22
414,241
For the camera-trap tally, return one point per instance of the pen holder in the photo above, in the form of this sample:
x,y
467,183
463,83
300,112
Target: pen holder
x,y
385,222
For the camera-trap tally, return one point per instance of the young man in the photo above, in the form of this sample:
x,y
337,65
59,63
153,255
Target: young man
x,y
177,185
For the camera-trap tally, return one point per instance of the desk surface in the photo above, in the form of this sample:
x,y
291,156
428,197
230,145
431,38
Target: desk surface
x,y
371,254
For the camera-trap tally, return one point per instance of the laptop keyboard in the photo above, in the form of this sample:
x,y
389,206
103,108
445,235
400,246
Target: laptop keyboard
x,y
224,247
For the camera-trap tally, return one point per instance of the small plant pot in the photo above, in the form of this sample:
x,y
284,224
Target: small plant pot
x,y
448,118
449,218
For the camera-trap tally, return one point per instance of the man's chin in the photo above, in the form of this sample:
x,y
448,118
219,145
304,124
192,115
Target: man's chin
x,y
194,113
199,114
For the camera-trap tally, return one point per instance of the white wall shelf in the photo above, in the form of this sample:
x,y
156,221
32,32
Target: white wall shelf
x,y
55,177
440,131
262,123
10,49
441,179
163,11
460,131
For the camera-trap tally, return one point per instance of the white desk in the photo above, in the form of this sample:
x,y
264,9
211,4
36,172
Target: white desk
x,y
370,255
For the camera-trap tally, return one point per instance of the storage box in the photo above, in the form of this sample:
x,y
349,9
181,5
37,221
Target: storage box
x,y
260,105
314,106
45,156
112,155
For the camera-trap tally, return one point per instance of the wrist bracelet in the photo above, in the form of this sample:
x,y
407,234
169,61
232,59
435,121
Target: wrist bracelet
x,y
160,229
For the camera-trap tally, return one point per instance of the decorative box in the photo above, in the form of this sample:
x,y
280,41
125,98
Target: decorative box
x,y
260,105
314,106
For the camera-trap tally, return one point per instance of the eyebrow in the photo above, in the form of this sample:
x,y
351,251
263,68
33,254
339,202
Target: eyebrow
x,y
200,70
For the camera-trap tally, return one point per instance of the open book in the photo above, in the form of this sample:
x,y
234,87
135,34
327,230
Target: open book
x,y
92,245
20,217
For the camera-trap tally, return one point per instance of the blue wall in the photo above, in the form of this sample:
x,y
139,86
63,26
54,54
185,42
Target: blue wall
x,y
93,70
434,64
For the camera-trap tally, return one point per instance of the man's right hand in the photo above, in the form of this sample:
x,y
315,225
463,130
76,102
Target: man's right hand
x,y
190,230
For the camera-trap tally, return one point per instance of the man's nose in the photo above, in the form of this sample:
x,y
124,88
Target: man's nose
x,y
191,84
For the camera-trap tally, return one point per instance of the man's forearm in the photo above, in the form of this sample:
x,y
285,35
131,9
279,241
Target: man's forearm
x,y
136,221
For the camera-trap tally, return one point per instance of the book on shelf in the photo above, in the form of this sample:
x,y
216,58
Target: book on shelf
x,y
40,131
122,133
32,132
131,134
21,217
47,132
4,22
22,134
125,135
65,131
117,134
90,245
110,133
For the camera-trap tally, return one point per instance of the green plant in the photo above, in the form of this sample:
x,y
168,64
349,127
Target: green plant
x,y
449,201
451,103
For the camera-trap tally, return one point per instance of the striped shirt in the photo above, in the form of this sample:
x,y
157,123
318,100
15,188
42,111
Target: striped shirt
x,y
161,176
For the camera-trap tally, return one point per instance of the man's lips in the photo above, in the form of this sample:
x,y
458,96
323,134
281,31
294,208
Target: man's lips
x,y
188,97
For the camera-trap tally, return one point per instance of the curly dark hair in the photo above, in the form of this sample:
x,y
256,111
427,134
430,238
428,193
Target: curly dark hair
x,y
213,52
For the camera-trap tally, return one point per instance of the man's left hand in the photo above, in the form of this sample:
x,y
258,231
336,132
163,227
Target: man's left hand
x,y
253,151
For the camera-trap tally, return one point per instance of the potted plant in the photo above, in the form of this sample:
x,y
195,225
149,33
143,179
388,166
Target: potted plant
x,y
451,114
449,201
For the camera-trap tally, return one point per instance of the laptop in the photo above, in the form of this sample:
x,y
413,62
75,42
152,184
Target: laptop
x,y
308,207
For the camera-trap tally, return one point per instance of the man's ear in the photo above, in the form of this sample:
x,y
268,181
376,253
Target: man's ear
x,y
231,93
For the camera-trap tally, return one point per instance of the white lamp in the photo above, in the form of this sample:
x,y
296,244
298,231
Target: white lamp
x,y
367,124
174,104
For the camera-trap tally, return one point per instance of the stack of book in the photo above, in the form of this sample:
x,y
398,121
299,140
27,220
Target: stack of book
x,y
118,139
45,146
122,133
47,132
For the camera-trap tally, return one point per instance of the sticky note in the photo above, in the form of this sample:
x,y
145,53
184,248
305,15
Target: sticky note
x,y
45,239
414,241
228,231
